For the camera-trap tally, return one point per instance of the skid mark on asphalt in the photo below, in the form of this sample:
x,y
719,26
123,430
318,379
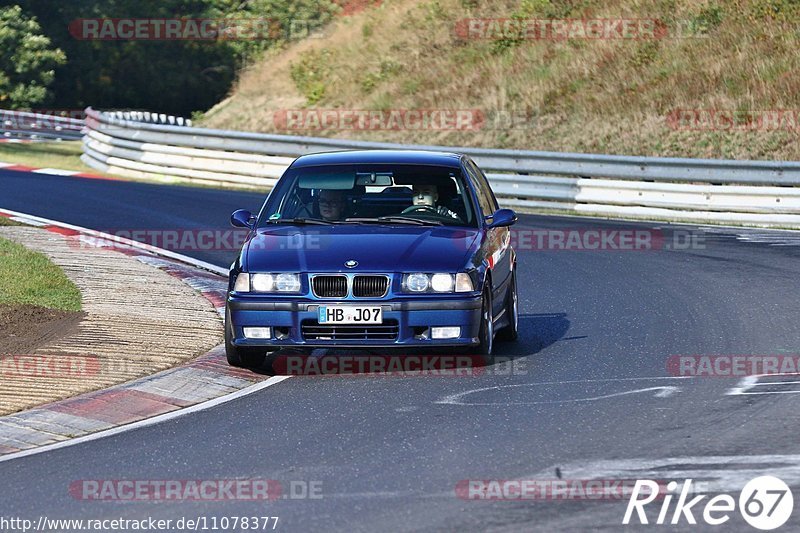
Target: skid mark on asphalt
x,y
660,391
770,238
767,384
716,473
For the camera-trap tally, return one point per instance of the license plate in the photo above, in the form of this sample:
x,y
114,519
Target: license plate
x,y
341,314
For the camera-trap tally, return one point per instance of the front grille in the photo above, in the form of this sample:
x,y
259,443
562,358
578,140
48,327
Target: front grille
x,y
388,331
370,286
329,286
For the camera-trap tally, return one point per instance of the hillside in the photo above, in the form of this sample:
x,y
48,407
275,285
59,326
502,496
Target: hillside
x,y
697,79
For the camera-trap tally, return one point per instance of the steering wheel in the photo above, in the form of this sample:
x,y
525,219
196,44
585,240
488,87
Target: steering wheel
x,y
421,209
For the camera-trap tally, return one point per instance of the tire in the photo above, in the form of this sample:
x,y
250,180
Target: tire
x,y
486,331
511,331
241,357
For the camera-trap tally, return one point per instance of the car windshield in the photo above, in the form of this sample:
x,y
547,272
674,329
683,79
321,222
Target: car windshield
x,y
371,194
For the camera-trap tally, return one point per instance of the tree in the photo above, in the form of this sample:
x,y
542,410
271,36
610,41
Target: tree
x,y
28,60
168,76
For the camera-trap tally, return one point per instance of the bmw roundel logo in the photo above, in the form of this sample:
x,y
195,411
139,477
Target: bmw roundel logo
x,y
352,263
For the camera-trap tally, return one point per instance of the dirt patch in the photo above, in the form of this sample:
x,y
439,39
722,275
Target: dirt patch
x,y
24,328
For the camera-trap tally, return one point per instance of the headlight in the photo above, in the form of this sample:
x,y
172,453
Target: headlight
x,y
438,282
267,282
287,283
416,282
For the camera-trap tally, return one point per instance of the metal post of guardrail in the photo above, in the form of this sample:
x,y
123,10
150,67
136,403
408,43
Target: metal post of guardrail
x,y
25,125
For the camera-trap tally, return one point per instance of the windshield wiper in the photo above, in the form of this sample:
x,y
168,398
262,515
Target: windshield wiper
x,y
411,220
396,220
300,221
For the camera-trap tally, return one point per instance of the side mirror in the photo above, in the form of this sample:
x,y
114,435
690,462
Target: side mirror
x,y
243,219
502,218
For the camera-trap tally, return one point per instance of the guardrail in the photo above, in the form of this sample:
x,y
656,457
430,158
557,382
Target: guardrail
x,y
763,193
36,126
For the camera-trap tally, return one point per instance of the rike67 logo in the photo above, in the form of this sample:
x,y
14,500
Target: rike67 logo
x,y
765,503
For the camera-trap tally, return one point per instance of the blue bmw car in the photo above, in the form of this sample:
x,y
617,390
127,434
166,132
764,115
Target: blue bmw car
x,y
371,249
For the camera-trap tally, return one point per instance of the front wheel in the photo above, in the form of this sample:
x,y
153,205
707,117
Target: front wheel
x,y
486,332
238,356
511,331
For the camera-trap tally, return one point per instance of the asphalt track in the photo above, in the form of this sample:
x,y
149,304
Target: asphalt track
x,y
590,383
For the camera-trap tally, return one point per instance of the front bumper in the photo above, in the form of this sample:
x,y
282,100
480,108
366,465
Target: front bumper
x,y
411,317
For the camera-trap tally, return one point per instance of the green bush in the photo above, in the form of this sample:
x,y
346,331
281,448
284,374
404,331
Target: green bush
x,y
309,74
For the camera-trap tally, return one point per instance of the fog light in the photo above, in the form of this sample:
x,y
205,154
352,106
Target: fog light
x,y
258,333
445,333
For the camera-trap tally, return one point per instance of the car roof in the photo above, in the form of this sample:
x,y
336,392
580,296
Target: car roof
x,y
379,157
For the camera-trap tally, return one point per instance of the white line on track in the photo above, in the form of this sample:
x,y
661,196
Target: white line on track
x,y
55,171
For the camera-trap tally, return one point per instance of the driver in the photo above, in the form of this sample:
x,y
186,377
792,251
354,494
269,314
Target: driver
x,y
331,204
425,197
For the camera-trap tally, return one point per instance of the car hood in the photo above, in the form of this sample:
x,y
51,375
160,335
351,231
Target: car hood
x,y
376,248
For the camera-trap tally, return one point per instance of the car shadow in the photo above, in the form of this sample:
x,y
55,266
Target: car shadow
x,y
536,333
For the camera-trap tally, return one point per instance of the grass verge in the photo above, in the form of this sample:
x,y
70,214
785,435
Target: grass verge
x,y
64,155
30,278
8,222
